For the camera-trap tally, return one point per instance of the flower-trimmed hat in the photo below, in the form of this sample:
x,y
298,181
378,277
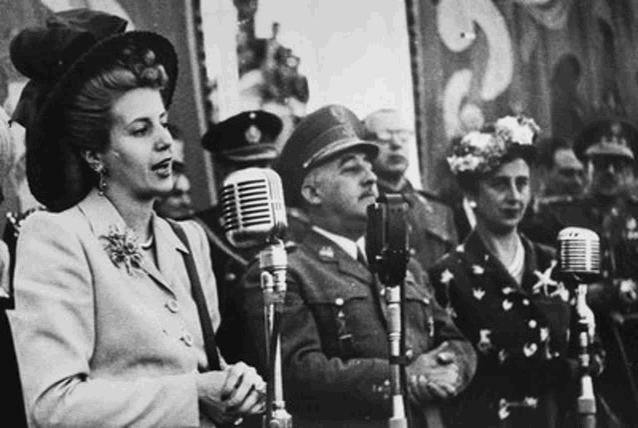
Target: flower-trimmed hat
x,y
73,47
480,152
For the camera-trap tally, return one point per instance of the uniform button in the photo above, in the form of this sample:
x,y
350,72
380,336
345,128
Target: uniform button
x,y
172,305
188,339
230,276
532,323
382,292
412,251
339,301
409,353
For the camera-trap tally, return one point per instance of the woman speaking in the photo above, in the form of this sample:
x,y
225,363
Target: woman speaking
x,y
115,307
501,290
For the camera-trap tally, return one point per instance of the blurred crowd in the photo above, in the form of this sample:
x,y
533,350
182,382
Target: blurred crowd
x,y
492,336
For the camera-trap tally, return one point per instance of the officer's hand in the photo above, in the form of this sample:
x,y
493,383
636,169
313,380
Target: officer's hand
x,y
627,291
433,375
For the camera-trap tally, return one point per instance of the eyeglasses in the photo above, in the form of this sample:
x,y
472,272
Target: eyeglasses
x,y
400,134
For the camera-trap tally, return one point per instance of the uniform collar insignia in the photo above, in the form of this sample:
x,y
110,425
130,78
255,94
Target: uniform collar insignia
x,y
326,253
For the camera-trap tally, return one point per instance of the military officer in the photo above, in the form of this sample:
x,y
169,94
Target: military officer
x,y
334,335
610,209
241,141
431,222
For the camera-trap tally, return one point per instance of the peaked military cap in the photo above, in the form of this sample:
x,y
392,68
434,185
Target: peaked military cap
x,y
607,137
321,135
246,137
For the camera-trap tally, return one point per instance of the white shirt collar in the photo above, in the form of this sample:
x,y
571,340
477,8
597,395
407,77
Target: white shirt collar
x,y
348,245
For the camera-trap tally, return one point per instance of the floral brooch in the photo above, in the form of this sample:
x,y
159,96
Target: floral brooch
x,y
123,249
481,151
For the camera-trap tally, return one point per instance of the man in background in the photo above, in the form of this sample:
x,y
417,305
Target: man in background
x,y
178,203
432,232
562,181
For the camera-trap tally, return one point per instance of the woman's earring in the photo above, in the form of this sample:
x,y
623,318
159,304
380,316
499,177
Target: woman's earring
x,y
101,173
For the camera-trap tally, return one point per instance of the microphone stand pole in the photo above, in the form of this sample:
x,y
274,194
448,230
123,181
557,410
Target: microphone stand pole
x,y
387,243
273,261
587,400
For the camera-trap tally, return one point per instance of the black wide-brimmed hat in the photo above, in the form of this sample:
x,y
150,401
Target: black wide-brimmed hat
x,y
73,46
607,136
245,137
318,138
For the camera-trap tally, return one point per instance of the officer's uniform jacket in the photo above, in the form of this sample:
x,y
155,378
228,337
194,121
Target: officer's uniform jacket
x,y
520,333
334,335
432,232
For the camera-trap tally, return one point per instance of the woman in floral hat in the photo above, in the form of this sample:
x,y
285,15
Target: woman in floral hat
x,y
115,307
500,287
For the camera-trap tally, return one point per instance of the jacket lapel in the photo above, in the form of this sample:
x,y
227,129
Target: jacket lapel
x,y
102,216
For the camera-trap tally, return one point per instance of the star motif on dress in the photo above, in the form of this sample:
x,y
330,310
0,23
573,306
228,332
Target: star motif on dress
x,y
485,342
477,270
544,332
561,291
507,291
446,276
507,305
460,248
545,279
530,349
502,356
503,411
531,401
478,293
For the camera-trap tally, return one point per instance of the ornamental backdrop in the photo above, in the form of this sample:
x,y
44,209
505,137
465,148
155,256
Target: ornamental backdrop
x,y
562,62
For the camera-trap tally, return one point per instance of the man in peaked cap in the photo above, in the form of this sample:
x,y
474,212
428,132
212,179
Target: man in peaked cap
x,y
609,208
431,222
241,141
334,337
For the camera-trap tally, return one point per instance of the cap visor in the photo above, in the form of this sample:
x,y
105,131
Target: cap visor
x,y
341,146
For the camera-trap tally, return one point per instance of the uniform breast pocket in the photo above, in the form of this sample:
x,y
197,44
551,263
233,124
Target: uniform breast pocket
x,y
343,318
419,318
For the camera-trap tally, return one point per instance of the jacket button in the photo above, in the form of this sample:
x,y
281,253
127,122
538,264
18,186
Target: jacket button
x,y
339,301
187,338
230,276
526,302
172,305
532,323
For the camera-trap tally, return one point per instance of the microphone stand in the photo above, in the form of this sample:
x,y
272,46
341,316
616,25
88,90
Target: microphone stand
x,y
586,400
273,262
386,245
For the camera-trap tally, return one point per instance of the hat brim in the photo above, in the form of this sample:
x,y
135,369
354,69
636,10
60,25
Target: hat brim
x,y
259,152
582,142
56,176
337,147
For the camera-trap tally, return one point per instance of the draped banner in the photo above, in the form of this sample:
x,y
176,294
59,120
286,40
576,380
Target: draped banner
x,y
562,62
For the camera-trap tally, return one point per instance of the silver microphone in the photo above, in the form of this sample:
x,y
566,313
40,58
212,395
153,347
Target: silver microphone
x,y
579,259
578,254
253,209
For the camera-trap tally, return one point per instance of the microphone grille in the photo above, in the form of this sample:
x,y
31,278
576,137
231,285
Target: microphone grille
x,y
579,251
253,207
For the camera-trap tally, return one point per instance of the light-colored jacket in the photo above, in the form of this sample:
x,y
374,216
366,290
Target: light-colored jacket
x,y
98,346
